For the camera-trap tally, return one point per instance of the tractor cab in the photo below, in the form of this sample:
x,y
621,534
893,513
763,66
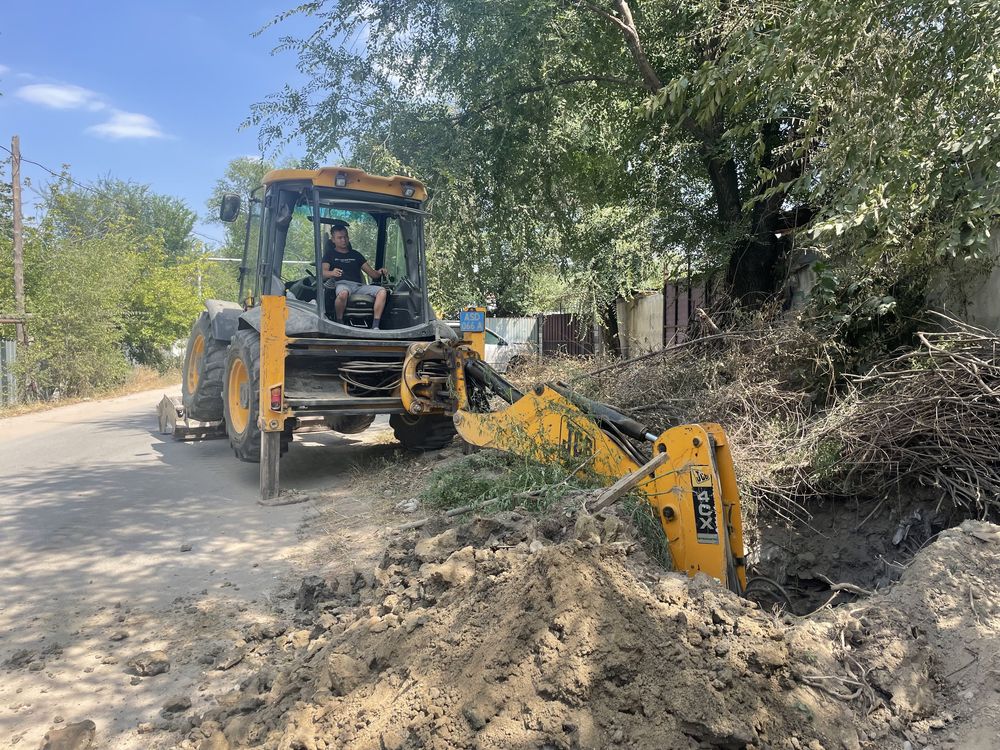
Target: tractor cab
x,y
288,232
330,363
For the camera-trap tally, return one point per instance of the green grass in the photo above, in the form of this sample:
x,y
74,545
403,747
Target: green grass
x,y
500,481
643,517
492,481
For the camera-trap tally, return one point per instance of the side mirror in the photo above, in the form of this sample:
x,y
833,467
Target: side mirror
x,y
230,207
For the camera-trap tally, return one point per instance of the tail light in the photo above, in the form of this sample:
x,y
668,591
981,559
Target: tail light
x,y
276,398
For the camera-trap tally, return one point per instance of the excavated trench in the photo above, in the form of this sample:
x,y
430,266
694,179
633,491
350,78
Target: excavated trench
x,y
840,550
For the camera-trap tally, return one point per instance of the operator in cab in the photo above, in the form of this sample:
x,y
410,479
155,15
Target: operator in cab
x,y
342,267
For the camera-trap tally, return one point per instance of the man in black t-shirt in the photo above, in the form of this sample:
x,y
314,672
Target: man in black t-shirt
x,y
342,267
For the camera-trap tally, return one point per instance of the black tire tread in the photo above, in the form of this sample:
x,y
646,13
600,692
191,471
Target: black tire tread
x,y
205,404
246,345
430,432
350,425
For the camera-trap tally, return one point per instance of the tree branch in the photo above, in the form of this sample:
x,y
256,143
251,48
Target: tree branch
x,y
718,159
626,25
496,102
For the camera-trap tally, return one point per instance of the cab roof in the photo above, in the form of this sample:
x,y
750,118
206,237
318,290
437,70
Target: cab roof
x,y
352,179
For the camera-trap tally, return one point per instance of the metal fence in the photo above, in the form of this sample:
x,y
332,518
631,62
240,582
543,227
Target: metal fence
x,y
651,320
8,385
680,300
565,333
515,330
549,333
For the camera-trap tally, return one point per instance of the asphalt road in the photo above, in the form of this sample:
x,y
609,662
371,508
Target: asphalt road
x,y
95,505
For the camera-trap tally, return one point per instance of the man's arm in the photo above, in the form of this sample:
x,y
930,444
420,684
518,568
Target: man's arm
x,y
374,273
335,273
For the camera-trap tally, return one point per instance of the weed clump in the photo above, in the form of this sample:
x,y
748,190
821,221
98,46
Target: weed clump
x,y
495,481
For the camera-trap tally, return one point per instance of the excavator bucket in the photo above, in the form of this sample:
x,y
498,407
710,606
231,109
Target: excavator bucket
x,y
692,491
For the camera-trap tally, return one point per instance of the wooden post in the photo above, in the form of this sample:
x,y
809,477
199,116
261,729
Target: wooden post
x,y
15,180
628,482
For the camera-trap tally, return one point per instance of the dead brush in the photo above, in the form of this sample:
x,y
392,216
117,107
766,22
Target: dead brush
x,y
929,417
762,379
799,430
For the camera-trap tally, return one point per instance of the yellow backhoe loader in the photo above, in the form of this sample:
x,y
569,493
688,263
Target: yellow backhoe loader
x,y
281,358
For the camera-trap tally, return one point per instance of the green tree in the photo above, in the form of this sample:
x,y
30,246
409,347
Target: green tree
x,y
243,176
79,310
88,211
548,129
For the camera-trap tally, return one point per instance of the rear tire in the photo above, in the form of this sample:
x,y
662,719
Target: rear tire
x,y
241,397
350,425
204,371
426,433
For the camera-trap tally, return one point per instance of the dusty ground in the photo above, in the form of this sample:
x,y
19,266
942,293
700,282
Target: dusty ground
x,y
116,541
505,633
516,632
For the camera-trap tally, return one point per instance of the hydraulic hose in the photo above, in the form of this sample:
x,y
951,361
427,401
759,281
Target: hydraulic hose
x,y
625,424
486,376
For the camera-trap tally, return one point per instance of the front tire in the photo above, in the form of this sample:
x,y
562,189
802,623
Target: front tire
x,y
425,433
204,371
241,397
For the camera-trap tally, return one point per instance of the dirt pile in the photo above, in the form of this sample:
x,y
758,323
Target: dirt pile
x,y
507,633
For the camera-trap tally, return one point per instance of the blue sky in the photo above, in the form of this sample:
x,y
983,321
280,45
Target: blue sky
x,y
152,92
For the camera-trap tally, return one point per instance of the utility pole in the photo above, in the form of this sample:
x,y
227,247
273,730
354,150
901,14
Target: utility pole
x,y
15,172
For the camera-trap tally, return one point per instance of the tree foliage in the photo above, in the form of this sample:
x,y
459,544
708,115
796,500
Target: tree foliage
x,y
606,139
111,280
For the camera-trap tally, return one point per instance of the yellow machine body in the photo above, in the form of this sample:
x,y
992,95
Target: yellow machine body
x,y
273,348
693,494
352,179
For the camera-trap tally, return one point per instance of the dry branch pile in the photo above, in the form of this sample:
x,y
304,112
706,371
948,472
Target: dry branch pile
x,y
927,418
930,417
762,380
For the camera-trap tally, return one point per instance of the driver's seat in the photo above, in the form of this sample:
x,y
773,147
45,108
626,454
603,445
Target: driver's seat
x,y
360,310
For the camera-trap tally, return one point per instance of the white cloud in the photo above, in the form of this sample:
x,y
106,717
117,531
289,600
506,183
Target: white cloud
x,y
4,69
123,125
60,96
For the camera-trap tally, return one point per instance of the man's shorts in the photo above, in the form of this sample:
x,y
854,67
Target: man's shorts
x,y
353,287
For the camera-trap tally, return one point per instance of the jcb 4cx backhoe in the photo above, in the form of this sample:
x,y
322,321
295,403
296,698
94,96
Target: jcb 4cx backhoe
x,y
280,359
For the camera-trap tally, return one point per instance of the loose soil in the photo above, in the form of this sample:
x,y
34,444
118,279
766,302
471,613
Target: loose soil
x,y
514,632
557,631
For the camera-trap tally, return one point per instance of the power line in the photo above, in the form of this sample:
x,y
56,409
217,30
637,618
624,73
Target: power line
x,y
96,191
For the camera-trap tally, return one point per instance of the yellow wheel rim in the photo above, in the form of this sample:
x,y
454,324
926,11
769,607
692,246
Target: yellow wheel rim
x,y
239,397
194,363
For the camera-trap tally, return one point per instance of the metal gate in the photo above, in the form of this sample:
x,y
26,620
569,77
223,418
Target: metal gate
x,y
680,300
565,333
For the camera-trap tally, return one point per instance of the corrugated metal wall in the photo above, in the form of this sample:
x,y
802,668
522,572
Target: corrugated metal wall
x,y
8,385
515,330
640,324
649,322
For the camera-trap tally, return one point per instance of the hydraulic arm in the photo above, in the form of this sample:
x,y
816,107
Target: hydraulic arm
x,y
693,492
